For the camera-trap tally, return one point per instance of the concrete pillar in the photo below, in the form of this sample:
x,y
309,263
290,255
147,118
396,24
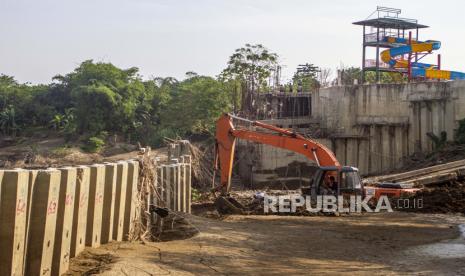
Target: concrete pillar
x,y
424,127
351,150
173,187
78,235
174,150
108,211
167,176
64,224
427,118
185,147
189,182
175,195
399,146
340,150
120,200
415,130
441,112
363,152
386,153
375,148
449,119
130,213
406,145
43,219
179,190
182,186
32,180
13,218
435,118
158,197
94,213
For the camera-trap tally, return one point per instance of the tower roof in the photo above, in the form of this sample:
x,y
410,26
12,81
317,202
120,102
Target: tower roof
x,y
391,22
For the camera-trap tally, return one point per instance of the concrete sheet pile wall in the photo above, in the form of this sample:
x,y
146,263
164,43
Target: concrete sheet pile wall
x,y
174,184
49,216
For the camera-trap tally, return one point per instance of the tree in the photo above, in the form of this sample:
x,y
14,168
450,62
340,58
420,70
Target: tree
x,y
324,78
8,124
349,75
196,104
305,78
251,66
105,97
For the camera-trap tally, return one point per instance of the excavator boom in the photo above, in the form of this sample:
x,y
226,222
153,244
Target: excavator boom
x,y
346,180
226,135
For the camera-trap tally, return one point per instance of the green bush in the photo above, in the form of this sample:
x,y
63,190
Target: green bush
x,y
196,195
94,144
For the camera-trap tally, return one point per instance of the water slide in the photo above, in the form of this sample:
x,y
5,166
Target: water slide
x,y
394,57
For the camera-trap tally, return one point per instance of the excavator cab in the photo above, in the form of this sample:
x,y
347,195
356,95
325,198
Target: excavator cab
x,y
347,181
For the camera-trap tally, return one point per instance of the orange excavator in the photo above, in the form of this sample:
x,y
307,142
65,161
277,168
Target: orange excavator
x,y
347,178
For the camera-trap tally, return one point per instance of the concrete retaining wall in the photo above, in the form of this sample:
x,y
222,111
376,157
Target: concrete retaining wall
x,y
174,184
372,127
49,216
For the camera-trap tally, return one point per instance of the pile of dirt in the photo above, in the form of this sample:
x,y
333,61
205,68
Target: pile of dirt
x,y
252,202
38,153
90,263
446,198
448,153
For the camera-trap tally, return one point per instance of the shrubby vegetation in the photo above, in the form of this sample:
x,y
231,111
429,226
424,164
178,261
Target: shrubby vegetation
x,y
98,100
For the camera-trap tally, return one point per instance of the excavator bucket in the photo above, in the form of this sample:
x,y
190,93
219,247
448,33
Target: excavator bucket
x,y
228,205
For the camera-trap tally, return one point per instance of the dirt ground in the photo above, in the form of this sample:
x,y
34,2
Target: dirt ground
x,y
367,244
36,153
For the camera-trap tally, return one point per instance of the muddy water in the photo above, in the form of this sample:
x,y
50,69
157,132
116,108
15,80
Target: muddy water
x,y
445,249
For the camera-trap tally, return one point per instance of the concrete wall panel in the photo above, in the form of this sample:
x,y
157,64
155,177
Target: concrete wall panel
x,y
43,221
131,206
167,176
13,215
108,211
120,200
188,161
64,225
81,203
94,213
70,207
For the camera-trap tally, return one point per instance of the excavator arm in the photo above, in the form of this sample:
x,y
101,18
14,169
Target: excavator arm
x,y
226,135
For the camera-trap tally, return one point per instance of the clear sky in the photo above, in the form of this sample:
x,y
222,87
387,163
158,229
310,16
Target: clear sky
x,y
40,39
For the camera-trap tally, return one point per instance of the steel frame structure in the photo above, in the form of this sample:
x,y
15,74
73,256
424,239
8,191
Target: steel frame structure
x,y
386,21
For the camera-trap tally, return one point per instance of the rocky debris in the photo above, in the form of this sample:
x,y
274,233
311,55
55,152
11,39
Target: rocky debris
x,y
445,198
252,202
448,153
90,263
